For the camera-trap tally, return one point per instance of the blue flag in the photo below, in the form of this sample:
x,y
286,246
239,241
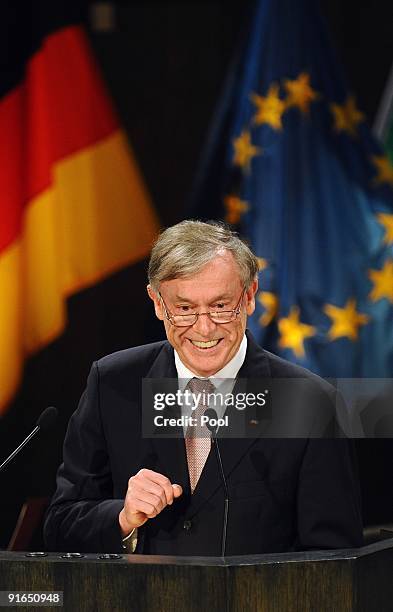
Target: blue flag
x,y
291,164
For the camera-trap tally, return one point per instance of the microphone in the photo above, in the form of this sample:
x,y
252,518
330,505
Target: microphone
x,y
44,422
212,414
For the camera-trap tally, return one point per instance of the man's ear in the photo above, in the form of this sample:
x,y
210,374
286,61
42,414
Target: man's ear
x,y
250,296
158,308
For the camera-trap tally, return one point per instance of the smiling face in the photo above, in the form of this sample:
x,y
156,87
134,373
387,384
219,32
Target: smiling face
x,y
206,347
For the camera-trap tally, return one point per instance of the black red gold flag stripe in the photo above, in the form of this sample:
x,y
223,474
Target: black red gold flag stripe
x,y
73,206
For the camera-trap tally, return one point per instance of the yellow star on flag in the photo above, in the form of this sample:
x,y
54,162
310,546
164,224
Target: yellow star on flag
x,y
269,108
300,93
383,282
345,321
235,208
270,303
262,263
384,169
244,150
387,221
346,116
293,332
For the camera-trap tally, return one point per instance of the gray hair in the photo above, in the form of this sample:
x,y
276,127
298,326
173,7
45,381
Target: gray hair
x,y
185,248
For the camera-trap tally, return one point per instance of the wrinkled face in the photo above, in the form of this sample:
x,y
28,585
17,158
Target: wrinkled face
x,y
206,347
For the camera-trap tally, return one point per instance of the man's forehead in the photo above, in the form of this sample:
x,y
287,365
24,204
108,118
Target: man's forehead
x,y
218,278
219,270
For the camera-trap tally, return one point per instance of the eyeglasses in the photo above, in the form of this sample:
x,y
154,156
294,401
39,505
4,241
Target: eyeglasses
x,y
219,316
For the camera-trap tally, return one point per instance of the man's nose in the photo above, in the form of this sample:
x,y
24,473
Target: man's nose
x,y
204,325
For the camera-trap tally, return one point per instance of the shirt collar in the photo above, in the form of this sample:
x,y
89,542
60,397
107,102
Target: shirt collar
x,y
229,371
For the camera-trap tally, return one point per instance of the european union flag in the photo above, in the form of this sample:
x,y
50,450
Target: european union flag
x,y
293,164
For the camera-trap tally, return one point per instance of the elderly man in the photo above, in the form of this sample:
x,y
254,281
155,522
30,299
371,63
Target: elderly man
x,y
119,489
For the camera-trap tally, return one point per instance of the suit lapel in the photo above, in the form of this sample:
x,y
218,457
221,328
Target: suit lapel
x,y
171,454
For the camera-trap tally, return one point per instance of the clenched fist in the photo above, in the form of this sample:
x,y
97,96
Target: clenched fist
x,y
147,495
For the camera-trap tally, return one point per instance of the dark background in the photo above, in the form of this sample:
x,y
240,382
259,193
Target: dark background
x,y
164,64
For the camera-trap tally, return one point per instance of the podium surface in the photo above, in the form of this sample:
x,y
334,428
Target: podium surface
x,y
339,580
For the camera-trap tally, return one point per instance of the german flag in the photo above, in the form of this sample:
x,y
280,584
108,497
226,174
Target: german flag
x,y
73,207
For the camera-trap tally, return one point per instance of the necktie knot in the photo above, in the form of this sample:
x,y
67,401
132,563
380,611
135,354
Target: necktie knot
x,y
201,388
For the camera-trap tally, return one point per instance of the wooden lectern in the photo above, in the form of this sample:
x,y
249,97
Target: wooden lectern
x,y
321,581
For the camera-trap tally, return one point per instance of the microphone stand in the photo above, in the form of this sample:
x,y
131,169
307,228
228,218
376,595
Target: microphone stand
x,y
212,414
16,451
44,422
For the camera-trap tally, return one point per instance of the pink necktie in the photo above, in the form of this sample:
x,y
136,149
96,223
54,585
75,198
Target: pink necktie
x,y
198,439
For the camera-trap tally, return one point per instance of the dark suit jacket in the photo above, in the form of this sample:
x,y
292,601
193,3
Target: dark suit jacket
x,y
285,494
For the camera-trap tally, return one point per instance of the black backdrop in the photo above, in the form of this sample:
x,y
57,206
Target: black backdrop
x,y
164,64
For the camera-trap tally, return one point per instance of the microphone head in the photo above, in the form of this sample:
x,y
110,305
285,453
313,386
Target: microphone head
x,y
47,418
210,413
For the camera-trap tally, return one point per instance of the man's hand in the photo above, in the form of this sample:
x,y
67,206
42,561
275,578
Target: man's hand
x,y
147,495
